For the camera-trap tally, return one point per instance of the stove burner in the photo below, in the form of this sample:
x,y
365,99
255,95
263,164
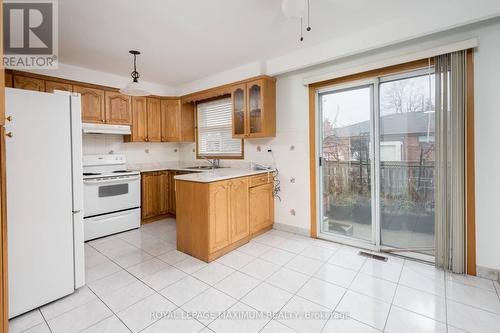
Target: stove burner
x,y
120,171
91,173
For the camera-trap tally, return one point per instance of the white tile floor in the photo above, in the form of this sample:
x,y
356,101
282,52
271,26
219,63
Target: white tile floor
x,y
138,282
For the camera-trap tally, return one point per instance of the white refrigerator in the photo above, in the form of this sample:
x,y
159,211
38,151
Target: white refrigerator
x,y
44,197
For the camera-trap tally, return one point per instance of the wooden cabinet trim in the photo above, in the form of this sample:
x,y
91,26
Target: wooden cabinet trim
x,y
50,86
124,112
92,104
28,83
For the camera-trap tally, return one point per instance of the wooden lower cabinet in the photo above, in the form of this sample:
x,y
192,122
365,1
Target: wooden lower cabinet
x,y
148,193
261,207
216,218
220,222
154,195
163,192
238,190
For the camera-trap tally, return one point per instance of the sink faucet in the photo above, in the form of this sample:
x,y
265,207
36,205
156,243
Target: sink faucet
x,y
215,163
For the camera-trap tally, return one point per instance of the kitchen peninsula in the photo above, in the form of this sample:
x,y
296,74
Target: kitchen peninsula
x,y
222,209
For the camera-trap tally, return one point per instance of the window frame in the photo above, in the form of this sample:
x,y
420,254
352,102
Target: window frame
x,y
219,157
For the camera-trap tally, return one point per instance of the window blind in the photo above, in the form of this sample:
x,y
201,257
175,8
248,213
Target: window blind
x,y
215,129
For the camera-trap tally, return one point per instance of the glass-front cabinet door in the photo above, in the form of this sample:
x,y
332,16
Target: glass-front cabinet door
x,y
239,109
255,106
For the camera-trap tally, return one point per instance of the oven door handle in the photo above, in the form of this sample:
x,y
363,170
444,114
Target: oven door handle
x,y
113,180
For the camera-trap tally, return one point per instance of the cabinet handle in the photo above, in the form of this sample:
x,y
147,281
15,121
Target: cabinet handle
x,y
10,135
8,118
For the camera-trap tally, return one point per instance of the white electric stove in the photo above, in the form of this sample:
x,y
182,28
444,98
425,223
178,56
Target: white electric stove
x,y
112,196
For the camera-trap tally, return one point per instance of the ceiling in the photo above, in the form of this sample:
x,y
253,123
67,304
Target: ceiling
x,y
185,40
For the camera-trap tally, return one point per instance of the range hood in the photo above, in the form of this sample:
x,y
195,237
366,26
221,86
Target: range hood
x,y
91,128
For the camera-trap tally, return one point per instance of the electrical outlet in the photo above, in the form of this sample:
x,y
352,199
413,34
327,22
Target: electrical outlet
x,y
259,149
146,151
292,148
292,212
292,180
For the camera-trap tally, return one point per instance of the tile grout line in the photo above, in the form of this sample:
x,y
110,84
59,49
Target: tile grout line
x,y
261,281
394,296
113,314
45,320
280,267
346,291
293,295
446,301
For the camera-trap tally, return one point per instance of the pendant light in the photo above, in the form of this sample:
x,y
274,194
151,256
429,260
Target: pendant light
x,y
134,88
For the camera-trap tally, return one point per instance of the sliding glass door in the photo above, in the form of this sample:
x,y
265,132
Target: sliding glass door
x,y
376,167
346,162
407,144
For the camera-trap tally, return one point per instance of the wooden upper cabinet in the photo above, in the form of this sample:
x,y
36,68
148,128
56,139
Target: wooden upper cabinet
x,y
92,104
29,83
170,120
261,207
238,96
220,219
50,86
238,208
154,119
118,108
187,122
254,109
177,121
139,120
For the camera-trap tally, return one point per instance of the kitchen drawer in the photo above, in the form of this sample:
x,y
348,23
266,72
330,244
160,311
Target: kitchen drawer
x,y
261,179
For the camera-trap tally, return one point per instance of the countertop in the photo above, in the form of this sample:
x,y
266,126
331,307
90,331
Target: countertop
x,y
197,175
208,176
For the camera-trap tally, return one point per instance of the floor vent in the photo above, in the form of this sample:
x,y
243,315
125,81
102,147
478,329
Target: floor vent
x,y
371,255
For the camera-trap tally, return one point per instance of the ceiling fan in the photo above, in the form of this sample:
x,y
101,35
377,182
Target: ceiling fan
x,y
297,9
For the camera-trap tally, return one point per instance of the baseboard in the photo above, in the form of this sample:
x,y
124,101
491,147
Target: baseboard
x,y
488,273
156,218
292,229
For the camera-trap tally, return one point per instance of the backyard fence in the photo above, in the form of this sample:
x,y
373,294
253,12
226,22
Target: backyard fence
x,y
398,180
